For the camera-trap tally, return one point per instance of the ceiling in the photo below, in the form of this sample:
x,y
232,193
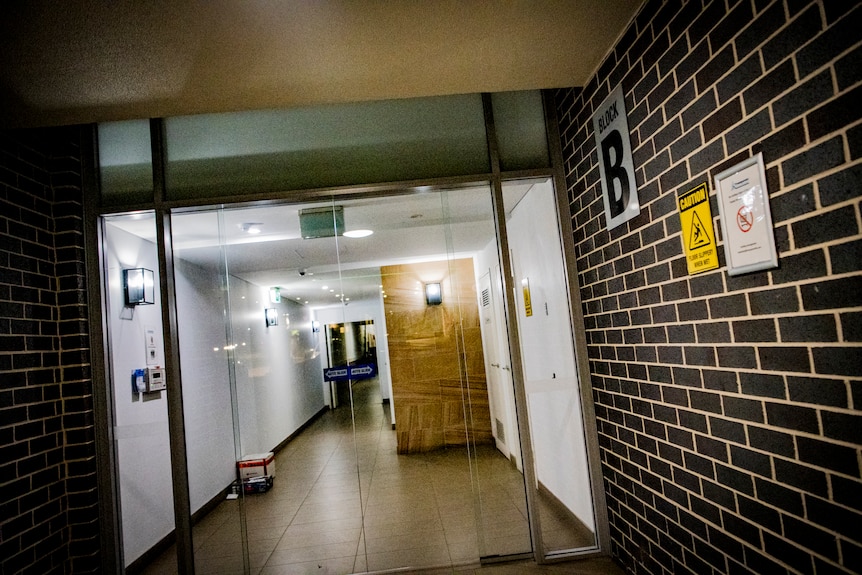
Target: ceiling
x,y
82,61
318,272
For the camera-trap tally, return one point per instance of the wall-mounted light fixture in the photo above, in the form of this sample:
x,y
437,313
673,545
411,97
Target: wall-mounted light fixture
x,y
433,294
139,286
271,316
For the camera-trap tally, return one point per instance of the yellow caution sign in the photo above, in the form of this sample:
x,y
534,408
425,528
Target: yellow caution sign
x,y
528,302
698,238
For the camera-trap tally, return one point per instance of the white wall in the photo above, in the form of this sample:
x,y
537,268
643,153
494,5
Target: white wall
x,y
279,385
206,384
279,370
141,424
553,396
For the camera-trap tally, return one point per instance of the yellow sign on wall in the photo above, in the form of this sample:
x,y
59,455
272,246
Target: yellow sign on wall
x,y
528,302
698,237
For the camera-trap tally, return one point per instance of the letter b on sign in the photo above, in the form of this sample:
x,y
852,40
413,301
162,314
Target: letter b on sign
x,y
614,174
619,191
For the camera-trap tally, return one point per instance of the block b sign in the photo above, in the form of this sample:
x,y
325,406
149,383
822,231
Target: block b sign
x,y
619,188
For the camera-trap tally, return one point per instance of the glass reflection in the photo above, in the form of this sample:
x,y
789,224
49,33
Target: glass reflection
x,y
553,396
415,462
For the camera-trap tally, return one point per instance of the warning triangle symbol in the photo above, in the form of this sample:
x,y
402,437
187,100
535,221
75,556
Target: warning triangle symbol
x,y
698,237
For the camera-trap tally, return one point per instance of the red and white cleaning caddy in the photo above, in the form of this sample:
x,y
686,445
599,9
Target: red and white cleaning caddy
x,y
256,472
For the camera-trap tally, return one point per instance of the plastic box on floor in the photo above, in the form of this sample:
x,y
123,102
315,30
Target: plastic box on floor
x,y
257,471
257,484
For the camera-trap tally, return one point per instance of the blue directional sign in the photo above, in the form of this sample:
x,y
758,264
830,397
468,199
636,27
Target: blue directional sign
x,y
345,372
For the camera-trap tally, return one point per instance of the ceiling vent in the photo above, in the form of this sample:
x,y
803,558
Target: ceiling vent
x,y
321,222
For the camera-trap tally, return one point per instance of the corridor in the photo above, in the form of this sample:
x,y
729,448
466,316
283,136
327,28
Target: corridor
x,y
419,510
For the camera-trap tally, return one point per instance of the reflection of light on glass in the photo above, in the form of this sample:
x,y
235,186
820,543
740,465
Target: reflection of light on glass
x,y
271,315
748,198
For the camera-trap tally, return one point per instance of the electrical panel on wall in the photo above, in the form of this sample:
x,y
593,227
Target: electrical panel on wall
x,y
148,380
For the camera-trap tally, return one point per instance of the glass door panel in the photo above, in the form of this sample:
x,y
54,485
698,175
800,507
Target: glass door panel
x,y
140,415
374,369
252,360
208,351
487,395
556,422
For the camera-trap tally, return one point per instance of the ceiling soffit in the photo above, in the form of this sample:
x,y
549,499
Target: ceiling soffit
x,y
87,61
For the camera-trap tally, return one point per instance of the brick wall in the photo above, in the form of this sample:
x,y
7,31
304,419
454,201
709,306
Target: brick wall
x,y
728,408
48,514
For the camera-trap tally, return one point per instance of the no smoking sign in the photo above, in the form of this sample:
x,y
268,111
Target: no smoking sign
x,y
745,218
743,198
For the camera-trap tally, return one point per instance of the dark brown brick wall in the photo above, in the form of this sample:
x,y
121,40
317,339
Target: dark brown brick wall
x,y
729,408
48,514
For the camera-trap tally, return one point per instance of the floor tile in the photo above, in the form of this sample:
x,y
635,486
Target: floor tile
x,y
324,516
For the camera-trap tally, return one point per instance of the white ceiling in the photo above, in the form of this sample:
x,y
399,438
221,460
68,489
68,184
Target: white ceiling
x,y
407,229
81,61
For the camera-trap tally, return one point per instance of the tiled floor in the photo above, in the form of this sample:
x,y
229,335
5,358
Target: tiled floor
x,y
418,511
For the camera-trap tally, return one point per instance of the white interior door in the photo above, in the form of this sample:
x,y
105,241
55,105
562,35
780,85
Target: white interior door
x,y
498,366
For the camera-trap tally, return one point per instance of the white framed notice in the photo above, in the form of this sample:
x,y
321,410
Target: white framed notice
x,y
746,222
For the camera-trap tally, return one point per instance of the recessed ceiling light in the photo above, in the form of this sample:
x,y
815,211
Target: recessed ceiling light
x,y
358,233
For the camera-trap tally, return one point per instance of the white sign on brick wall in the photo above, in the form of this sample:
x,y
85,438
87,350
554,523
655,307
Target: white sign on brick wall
x,y
746,222
619,188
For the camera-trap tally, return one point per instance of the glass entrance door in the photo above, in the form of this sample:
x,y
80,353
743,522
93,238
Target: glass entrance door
x,y
348,386
400,458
